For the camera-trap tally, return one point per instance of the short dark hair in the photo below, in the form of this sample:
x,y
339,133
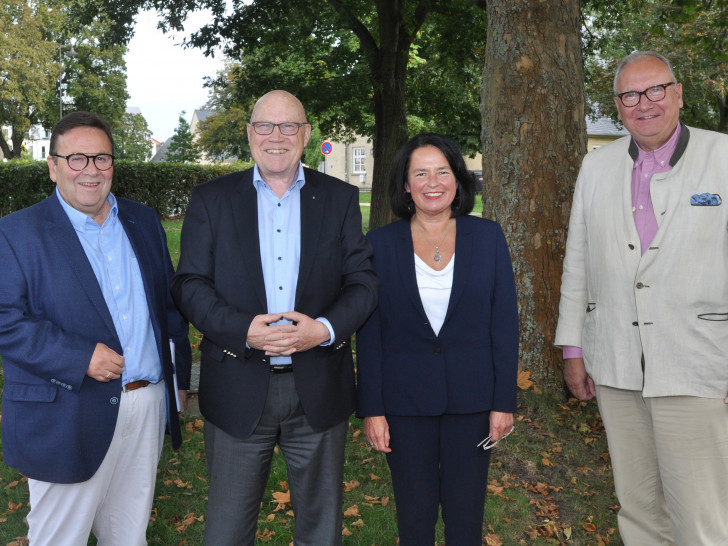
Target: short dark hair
x,y
79,119
401,200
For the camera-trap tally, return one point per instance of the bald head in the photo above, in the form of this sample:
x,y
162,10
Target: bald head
x,y
282,99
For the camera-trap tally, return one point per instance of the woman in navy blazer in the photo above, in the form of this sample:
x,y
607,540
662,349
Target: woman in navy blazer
x,y
437,361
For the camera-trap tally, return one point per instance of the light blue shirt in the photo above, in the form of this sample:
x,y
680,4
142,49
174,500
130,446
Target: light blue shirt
x,y
114,263
279,232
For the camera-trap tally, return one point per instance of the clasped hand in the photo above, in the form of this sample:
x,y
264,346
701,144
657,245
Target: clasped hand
x,y
301,334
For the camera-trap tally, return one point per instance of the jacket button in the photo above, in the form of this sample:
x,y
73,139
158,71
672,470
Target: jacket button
x,y
635,323
640,285
631,246
114,400
437,350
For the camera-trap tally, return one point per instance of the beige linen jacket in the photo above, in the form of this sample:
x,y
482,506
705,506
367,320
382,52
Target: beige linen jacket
x,y
670,303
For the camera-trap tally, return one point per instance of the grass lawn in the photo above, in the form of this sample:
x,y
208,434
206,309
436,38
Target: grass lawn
x,y
550,481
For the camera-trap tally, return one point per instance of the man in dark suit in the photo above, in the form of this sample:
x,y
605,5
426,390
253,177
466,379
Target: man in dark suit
x,y
276,274
86,320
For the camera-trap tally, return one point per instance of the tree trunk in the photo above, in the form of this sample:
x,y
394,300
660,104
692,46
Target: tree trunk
x,y
390,119
534,138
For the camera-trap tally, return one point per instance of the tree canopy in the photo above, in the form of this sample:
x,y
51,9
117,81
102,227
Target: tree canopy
x,y
693,34
182,148
381,69
36,70
132,138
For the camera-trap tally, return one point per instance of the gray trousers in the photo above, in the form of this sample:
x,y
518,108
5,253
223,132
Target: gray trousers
x,y
239,471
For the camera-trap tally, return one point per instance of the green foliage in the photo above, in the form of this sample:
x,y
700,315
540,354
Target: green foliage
x,y
133,139
27,69
182,148
37,68
693,34
163,186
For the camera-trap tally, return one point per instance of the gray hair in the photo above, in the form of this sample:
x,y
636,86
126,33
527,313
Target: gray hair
x,y
636,56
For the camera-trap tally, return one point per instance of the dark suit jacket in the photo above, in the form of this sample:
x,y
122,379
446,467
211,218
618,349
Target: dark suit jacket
x,y
471,366
219,287
57,421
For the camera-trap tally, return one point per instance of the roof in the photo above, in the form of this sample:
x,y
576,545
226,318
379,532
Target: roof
x,y
202,114
605,127
161,154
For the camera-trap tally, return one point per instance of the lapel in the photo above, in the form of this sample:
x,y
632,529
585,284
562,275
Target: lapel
x,y
244,212
463,258
61,232
629,228
312,211
139,241
406,267
405,259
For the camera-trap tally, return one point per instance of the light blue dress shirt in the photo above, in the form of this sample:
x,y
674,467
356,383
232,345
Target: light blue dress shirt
x,y
279,232
114,263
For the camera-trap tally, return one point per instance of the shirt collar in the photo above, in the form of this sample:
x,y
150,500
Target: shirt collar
x,y
671,151
298,182
80,220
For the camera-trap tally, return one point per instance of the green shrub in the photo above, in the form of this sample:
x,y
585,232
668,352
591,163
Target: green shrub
x,y
163,186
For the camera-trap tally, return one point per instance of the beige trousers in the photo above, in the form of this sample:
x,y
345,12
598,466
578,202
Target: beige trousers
x,y
670,461
117,501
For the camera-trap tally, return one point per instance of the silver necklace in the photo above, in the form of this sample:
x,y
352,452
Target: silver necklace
x,y
437,256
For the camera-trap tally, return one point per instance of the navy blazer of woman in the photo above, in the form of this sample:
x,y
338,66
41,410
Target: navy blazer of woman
x,y
471,365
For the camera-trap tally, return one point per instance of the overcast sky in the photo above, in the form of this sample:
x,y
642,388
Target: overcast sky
x,y
163,79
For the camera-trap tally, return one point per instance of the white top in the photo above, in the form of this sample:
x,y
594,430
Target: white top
x,y
435,287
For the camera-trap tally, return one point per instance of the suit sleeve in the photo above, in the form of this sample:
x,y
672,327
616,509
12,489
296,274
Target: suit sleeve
x,y
359,283
193,285
370,398
572,307
504,330
177,326
43,347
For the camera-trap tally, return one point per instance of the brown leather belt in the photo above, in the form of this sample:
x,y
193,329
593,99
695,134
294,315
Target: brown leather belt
x,y
134,385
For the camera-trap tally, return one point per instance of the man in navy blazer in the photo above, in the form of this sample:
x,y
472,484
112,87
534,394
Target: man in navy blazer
x,y
276,274
86,320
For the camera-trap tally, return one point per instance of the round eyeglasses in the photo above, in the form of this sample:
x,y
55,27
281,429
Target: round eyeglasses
x,y
653,94
287,128
78,162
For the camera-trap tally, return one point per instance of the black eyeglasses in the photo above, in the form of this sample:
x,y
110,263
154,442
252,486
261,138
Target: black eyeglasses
x,y
287,128
79,162
653,94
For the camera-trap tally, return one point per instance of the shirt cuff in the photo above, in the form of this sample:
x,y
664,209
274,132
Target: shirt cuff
x,y
572,352
332,336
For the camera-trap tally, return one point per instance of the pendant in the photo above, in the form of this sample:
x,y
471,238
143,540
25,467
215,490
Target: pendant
x,y
437,255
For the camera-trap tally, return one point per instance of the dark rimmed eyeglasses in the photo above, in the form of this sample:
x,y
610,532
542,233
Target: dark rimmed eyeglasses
x,y
78,162
653,94
287,128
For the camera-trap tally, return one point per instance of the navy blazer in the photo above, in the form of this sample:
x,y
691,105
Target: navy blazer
x,y
58,422
403,368
219,286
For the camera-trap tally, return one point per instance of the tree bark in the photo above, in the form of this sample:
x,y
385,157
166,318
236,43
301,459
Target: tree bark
x,y
534,138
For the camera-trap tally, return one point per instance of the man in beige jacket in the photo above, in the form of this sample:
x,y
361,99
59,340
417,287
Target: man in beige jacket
x,y
643,317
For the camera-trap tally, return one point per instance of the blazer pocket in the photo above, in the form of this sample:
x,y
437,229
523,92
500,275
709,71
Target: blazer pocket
x,y
714,317
30,393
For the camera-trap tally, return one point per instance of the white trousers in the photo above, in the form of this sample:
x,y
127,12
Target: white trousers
x,y
670,460
117,501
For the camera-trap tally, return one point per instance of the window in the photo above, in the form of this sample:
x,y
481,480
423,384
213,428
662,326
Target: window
x,y
359,158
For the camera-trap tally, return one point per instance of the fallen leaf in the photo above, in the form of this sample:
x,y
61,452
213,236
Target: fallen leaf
x,y
352,512
524,380
349,486
493,540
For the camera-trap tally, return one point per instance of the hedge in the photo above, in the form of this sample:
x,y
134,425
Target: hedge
x,y
163,186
